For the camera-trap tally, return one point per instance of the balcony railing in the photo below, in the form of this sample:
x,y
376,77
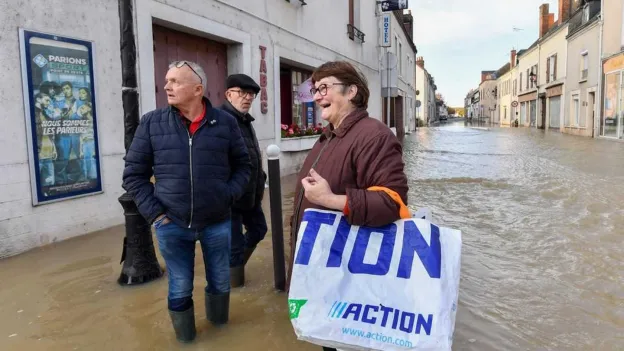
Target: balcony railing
x,y
355,33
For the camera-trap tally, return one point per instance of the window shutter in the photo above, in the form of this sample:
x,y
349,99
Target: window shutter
x,y
548,70
555,67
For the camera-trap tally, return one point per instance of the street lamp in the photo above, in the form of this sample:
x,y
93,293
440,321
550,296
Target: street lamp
x,y
140,264
533,78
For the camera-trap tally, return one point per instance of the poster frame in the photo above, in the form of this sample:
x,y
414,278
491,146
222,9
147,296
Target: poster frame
x,y
38,197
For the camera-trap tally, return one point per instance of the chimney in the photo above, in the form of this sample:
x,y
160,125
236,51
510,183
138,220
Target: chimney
x,y
513,58
543,18
420,62
408,23
551,20
565,7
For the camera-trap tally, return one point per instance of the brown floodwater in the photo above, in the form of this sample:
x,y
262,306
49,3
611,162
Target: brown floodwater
x,y
542,219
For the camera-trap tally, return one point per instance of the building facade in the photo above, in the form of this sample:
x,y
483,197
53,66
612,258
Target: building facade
x,y
551,76
277,43
426,89
503,94
583,71
487,94
401,106
611,123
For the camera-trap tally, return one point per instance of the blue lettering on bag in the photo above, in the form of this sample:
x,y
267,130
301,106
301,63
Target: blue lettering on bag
x,y
430,255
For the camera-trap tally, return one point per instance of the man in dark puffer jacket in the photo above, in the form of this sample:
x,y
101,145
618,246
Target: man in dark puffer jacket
x,y
201,167
247,211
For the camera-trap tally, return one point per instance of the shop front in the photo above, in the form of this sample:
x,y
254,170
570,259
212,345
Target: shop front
x,y
528,109
612,123
553,95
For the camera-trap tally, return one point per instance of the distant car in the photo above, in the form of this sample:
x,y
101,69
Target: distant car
x,y
443,118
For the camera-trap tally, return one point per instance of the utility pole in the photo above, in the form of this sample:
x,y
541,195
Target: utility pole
x,y
140,264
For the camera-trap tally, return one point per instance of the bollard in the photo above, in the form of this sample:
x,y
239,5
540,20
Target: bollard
x,y
277,228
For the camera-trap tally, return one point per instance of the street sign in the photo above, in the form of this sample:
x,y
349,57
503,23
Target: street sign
x,y
418,103
514,104
386,29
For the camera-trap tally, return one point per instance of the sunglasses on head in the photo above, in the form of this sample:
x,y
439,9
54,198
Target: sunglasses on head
x,y
179,64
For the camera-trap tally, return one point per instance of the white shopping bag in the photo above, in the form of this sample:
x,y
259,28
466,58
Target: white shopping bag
x,y
389,288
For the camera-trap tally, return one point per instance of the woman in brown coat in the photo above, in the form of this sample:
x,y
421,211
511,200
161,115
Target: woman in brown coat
x,y
355,153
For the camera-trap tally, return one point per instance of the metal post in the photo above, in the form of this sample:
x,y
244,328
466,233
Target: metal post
x,y
277,228
388,86
140,264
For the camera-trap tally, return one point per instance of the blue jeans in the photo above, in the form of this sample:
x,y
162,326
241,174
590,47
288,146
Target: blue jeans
x,y
177,246
256,225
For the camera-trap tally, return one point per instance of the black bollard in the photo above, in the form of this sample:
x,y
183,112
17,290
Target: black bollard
x,y
277,228
140,264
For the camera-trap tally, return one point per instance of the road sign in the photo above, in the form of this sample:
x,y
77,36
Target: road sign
x,y
514,104
418,103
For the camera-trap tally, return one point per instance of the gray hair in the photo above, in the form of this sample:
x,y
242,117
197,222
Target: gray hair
x,y
194,67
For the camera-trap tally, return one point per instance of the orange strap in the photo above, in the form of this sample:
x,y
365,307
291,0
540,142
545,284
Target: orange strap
x,y
404,212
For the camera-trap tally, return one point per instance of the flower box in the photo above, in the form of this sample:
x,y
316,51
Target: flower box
x,y
298,143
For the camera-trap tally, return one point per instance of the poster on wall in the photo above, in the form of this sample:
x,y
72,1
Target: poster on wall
x,y
61,118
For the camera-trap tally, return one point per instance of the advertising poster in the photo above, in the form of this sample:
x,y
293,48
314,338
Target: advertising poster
x,y
60,111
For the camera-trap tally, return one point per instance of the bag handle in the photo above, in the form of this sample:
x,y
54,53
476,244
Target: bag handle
x,y
404,212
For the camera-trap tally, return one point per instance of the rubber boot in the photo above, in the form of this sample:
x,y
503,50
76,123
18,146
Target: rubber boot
x,y
184,324
218,308
247,254
237,276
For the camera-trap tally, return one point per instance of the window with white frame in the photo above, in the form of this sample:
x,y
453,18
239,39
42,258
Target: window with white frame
x,y
551,75
584,65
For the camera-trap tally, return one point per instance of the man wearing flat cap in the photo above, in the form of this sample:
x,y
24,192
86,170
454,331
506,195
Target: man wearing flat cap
x,y
247,211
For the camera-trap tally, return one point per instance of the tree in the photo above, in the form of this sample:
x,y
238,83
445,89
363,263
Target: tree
x,y
451,111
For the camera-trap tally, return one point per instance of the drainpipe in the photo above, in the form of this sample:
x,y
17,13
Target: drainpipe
x,y
140,264
598,114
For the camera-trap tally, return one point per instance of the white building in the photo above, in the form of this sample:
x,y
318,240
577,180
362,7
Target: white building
x,y
425,87
276,42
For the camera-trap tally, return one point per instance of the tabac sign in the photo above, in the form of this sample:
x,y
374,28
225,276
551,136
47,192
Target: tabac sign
x,y
386,30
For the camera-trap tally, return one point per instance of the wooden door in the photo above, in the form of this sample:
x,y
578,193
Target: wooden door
x,y
171,45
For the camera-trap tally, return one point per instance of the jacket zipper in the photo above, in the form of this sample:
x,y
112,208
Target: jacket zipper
x,y
191,168
302,191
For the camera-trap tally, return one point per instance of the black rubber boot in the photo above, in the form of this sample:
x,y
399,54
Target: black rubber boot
x,y
218,308
237,276
184,324
247,254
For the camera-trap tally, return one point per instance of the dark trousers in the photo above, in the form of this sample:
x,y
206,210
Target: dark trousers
x,y
256,226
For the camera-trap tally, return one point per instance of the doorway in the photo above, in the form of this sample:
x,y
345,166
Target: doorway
x,y
591,109
171,45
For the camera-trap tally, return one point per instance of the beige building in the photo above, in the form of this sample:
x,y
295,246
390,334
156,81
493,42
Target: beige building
x,y
507,91
612,122
487,97
583,71
551,77
527,85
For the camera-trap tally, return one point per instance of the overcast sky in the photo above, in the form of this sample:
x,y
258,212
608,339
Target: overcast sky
x,y
460,38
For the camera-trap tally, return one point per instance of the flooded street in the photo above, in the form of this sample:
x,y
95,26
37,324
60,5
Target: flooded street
x,y
542,217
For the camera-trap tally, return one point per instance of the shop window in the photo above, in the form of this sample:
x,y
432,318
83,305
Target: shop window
x,y
293,111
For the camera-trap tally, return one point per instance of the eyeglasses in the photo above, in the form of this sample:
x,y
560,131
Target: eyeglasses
x,y
322,89
179,64
244,94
